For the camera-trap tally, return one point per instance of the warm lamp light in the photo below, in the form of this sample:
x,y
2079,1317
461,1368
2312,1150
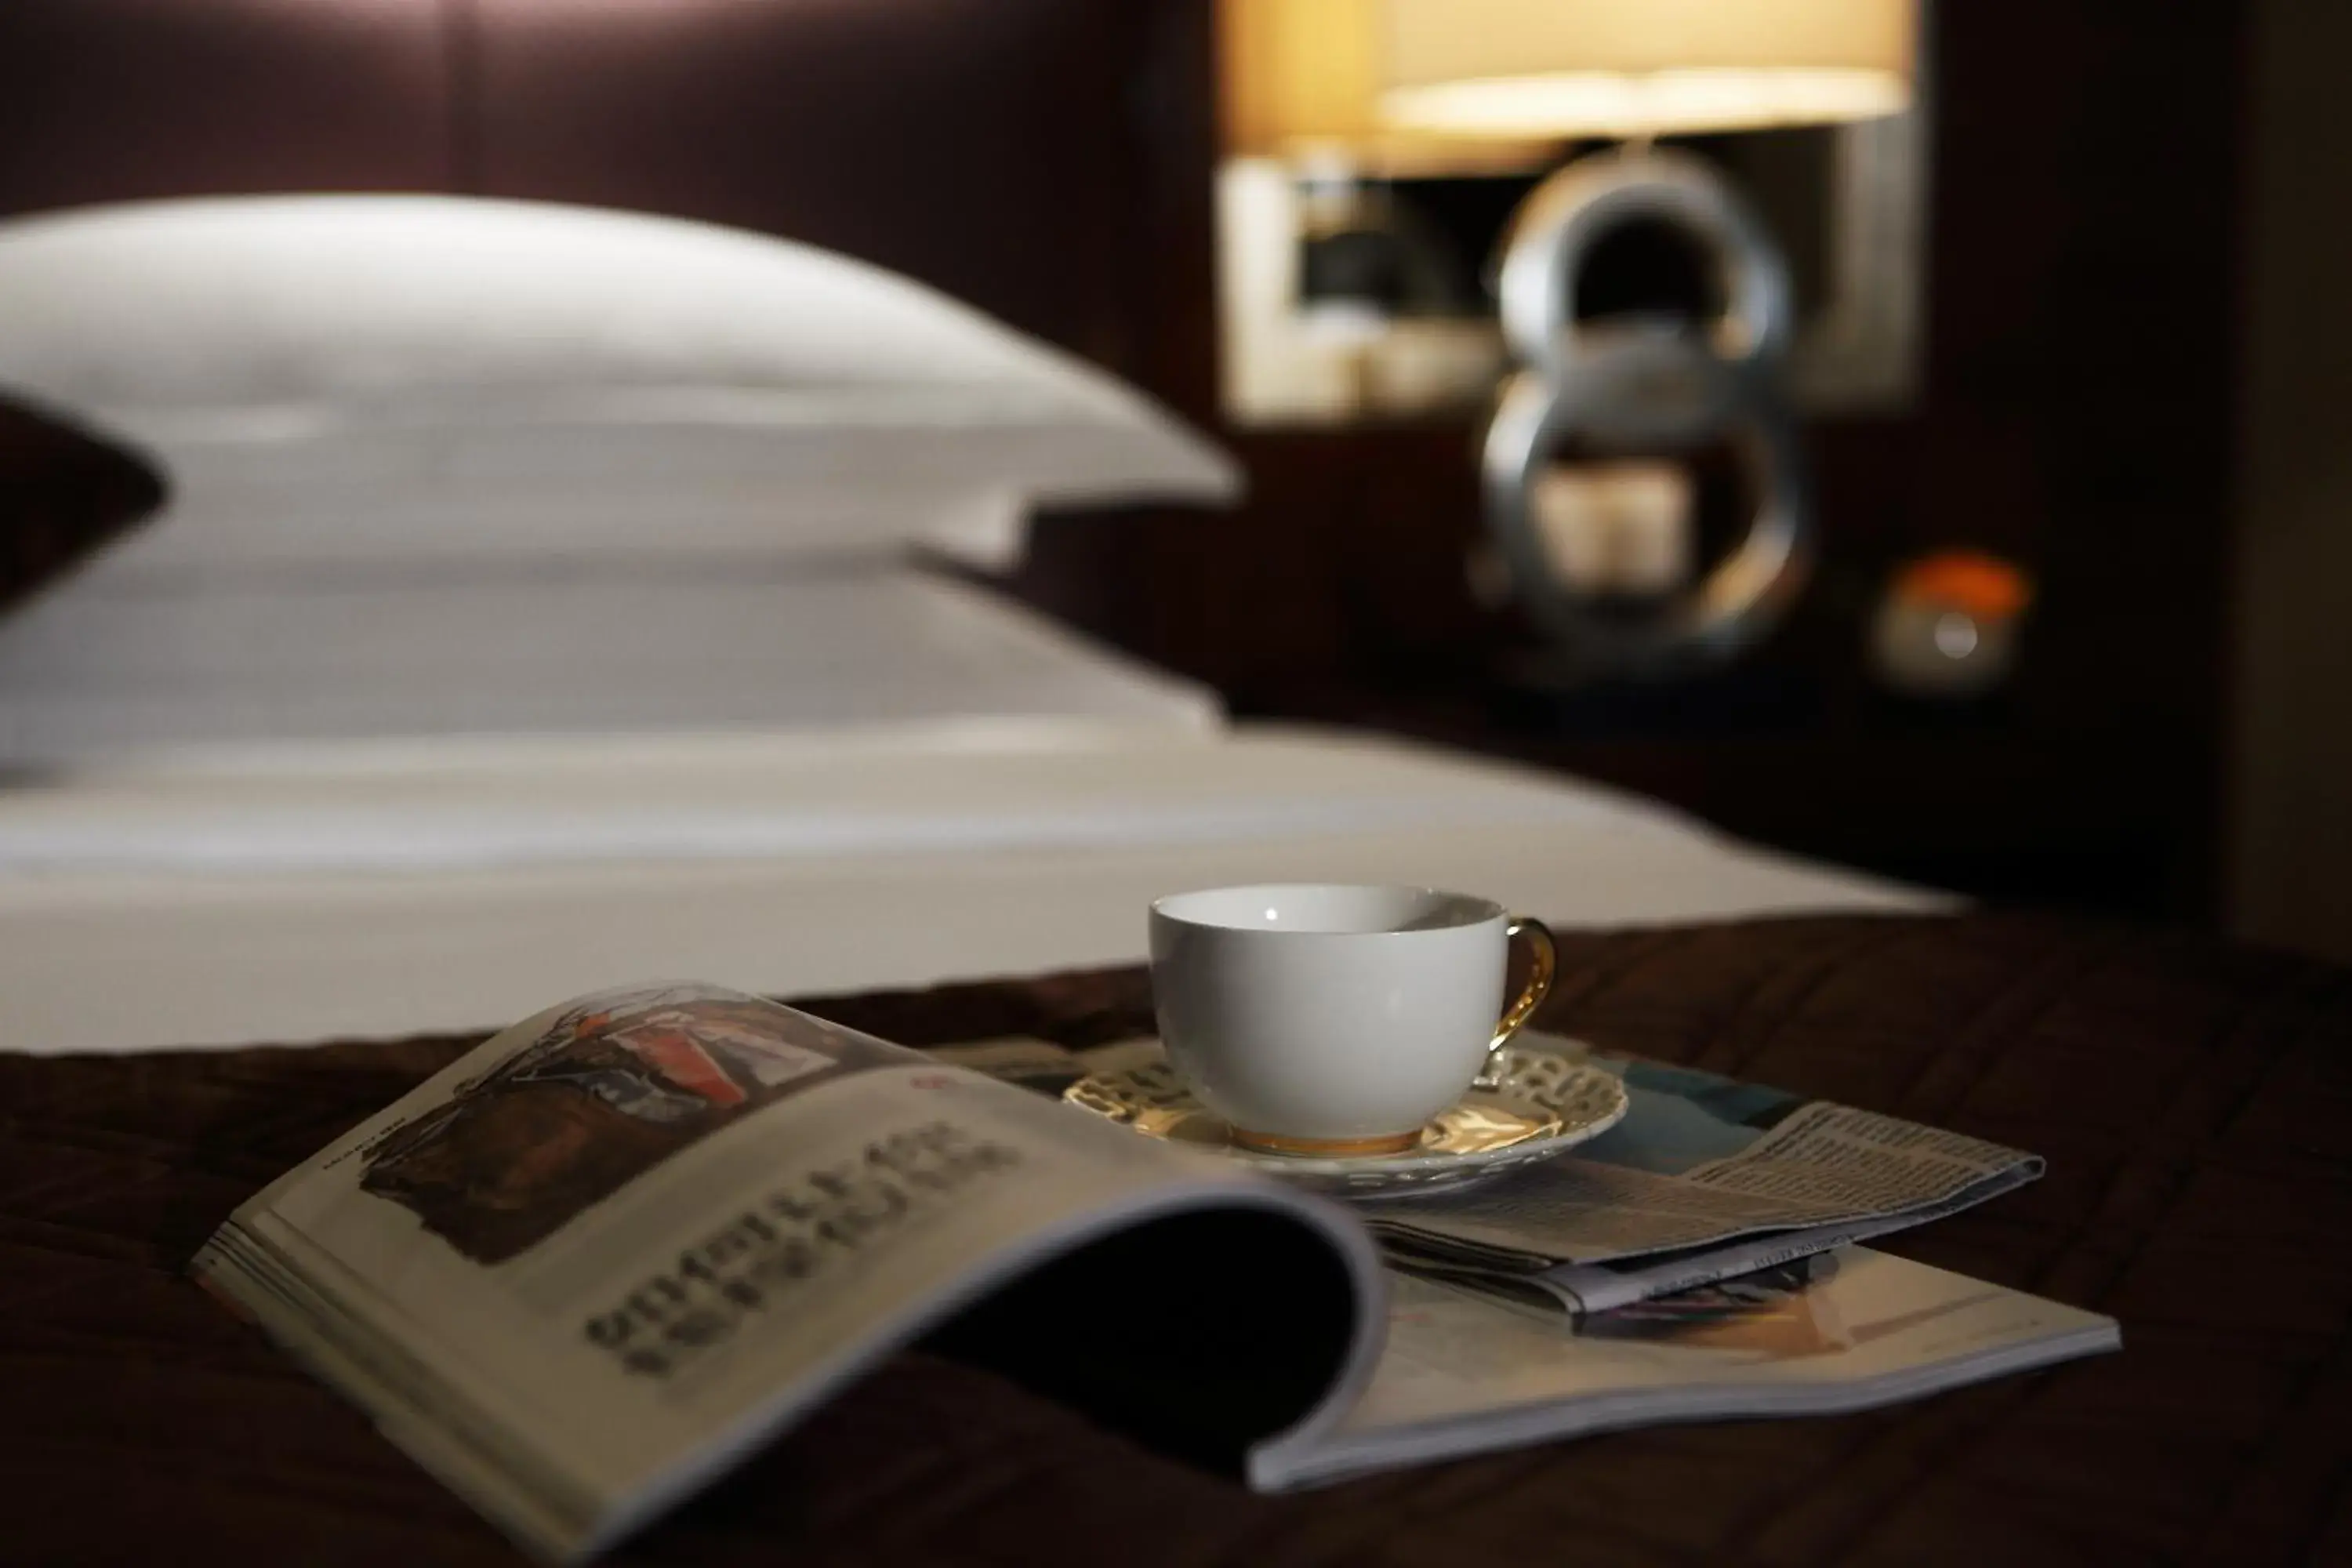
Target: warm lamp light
x,y
1437,83
1626,69
1302,80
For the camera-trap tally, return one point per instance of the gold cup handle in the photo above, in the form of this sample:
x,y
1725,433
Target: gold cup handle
x,y
1543,963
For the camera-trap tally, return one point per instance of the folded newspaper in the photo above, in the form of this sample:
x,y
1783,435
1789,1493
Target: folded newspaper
x,y
592,1264
1706,1178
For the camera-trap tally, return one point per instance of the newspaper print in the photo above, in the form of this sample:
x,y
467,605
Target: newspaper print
x,y
1701,1161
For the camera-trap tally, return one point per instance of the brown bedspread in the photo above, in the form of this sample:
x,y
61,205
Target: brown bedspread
x,y
2195,1102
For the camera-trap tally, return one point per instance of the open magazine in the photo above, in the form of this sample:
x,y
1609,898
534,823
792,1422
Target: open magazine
x,y
590,1265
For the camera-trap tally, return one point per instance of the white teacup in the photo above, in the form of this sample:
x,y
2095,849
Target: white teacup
x,y
1322,1018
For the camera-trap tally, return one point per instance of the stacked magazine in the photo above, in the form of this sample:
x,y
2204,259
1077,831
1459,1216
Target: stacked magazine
x,y
589,1265
1705,1179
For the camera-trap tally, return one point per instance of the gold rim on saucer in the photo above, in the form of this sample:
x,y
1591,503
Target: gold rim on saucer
x,y
1327,1148
1539,1100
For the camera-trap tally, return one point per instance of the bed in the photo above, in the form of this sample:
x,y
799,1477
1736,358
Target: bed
x,y
386,890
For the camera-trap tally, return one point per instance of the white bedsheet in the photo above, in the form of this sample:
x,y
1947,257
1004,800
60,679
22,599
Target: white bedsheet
x,y
379,890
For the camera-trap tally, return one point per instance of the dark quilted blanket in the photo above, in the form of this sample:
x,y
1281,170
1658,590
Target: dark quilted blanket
x,y
2194,1099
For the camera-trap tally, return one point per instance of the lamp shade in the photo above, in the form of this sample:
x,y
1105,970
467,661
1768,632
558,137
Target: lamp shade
x,y
1516,69
1304,78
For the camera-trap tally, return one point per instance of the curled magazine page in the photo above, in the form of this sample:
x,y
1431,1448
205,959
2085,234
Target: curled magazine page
x,y
602,1256
1465,1373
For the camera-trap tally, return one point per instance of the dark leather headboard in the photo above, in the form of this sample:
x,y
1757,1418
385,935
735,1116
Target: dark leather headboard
x,y
1045,160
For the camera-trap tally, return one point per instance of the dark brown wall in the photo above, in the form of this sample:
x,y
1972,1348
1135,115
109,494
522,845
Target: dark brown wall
x,y
117,100
2293,809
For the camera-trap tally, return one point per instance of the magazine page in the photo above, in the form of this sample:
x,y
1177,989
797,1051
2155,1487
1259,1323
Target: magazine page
x,y
597,1259
1463,1374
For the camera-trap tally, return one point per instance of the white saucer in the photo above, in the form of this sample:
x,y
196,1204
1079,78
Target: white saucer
x,y
1539,1103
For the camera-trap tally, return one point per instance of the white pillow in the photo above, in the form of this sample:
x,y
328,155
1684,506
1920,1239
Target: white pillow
x,y
280,658
361,378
